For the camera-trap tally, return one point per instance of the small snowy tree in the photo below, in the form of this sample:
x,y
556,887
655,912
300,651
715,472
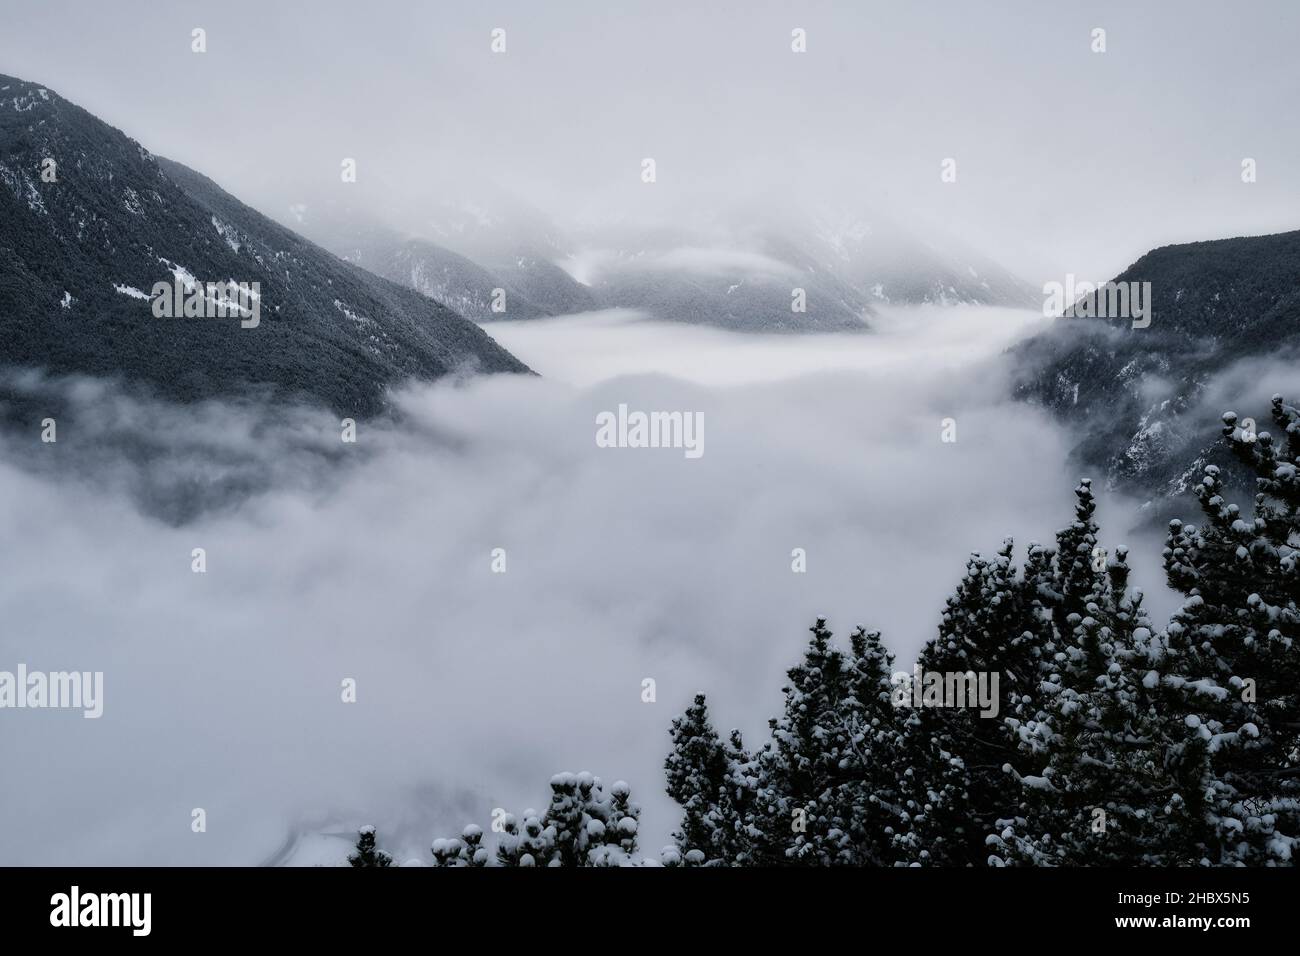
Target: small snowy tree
x,y
449,853
536,842
700,771
366,854
586,824
475,853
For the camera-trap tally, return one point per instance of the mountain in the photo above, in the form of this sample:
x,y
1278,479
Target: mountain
x,y
81,255
738,282
737,267
457,253
740,268
515,242
894,265
427,267
1133,393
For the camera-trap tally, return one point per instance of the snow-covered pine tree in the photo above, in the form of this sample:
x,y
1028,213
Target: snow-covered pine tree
x,y
823,790
696,772
701,772
468,850
366,853
1077,574
448,852
585,825
1118,784
1187,741
536,842
612,822
737,809
1237,632
800,763
508,844
1130,745
567,821
869,806
475,853
622,821
997,622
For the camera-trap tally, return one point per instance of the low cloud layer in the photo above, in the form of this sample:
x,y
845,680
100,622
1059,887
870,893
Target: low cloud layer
x,y
592,266
222,690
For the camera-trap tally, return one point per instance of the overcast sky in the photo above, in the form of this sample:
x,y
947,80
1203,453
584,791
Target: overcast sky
x,y
1068,160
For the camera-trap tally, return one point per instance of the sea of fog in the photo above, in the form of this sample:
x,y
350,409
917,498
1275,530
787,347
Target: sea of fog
x,y
222,690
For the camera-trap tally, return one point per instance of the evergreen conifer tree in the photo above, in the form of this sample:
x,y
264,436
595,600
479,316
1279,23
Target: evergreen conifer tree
x,y
997,624
1237,635
701,772
366,853
585,825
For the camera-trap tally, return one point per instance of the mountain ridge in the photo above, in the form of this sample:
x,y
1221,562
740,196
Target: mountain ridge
x,y
81,250
736,268
1133,394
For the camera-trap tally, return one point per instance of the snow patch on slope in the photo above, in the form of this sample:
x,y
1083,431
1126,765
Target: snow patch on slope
x,y
227,233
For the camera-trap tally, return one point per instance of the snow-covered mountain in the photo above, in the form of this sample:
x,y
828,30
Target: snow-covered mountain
x,y
747,283
1134,394
517,243
420,264
745,269
741,270
896,264
90,221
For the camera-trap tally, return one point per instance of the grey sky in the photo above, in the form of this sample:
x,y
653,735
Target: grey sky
x,y
1068,160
